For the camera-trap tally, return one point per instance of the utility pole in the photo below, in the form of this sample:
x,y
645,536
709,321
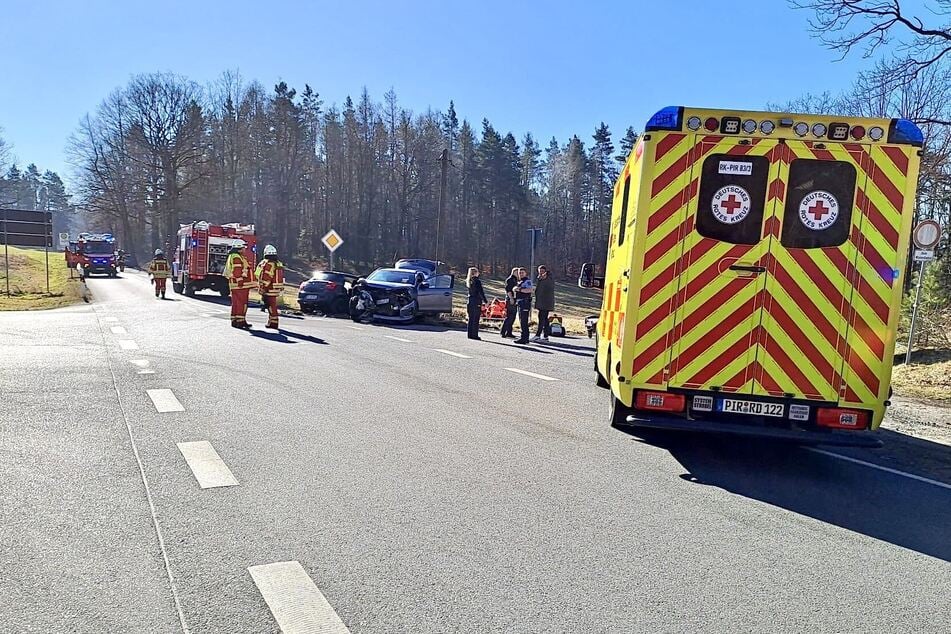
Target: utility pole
x,y
534,231
443,183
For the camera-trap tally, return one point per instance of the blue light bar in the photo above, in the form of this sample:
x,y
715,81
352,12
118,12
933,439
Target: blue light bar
x,y
905,131
669,118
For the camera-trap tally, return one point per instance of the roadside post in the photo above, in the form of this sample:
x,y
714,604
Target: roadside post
x,y
24,228
926,236
332,241
534,231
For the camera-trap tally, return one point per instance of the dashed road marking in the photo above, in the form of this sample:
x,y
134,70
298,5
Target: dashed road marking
x,y
110,320
206,465
532,374
128,344
297,604
165,401
879,467
142,363
118,330
452,354
354,327
146,372
398,339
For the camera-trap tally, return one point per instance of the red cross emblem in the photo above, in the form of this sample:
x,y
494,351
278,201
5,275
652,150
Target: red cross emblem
x,y
818,210
731,204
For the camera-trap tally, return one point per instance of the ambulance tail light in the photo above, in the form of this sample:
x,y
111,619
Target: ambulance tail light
x,y
669,118
905,131
660,401
711,124
836,418
858,132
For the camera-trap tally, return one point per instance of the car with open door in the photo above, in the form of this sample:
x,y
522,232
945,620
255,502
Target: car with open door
x,y
410,291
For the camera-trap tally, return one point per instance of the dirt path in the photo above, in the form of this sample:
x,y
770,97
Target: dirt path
x,y
928,420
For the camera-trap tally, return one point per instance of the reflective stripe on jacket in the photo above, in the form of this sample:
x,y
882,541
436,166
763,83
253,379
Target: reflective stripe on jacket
x,y
239,272
159,269
270,277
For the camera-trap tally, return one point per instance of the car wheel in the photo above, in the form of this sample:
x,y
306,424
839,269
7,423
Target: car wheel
x,y
339,307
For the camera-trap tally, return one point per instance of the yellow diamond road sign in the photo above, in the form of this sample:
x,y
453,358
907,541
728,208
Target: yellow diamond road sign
x,y
332,240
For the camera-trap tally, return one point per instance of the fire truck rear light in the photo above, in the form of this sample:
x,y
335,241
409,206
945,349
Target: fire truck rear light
x,y
876,133
694,123
660,401
836,418
711,124
801,128
858,132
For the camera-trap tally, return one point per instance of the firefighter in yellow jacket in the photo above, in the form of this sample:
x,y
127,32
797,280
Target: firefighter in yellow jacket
x,y
240,280
160,271
270,275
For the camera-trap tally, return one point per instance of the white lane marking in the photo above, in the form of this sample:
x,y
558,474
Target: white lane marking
x,y
297,604
532,374
118,330
452,354
398,339
128,344
165,401
206,465
354,327
142,363
110,320
879,467
146,372
208,314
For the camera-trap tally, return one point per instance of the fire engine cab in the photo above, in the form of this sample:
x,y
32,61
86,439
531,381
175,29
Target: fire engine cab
x,y
95,253
754,273
202,252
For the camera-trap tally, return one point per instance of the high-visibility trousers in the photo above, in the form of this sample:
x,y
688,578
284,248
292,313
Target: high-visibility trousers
x,y
159,285
271,302
239,306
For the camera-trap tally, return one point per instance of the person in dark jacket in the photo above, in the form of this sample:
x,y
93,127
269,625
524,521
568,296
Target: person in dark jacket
x,y
523,300
475,302
544,302
511,311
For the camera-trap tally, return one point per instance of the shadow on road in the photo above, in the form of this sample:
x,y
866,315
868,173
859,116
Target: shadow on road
x,y
530,347
890,507
286,336
567,348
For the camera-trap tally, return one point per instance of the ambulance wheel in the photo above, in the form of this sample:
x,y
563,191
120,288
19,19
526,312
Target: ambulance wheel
x,y
619,412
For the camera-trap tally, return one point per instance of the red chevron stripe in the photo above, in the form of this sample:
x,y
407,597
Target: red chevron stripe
x,y
666,144
808,308
863,371
878,305
720,363
877,218
895,198
791,368
850,396
878,263
773,226
670,174
672,206
777,189
617,298
713,335
898,157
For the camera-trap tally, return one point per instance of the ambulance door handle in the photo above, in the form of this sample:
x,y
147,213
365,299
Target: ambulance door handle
x,y
748,269
627,273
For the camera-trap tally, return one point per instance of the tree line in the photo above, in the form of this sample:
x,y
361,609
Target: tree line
x,y
163,150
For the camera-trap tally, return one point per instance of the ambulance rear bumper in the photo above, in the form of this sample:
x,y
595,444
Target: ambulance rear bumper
x,y
799,436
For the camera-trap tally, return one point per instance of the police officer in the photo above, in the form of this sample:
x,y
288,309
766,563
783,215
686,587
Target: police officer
x,y
240,280
523,301
160,272
270,275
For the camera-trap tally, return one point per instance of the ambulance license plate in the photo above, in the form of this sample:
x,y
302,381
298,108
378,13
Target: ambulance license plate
x,y
754,408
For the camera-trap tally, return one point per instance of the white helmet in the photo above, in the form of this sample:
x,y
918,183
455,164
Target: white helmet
x,y
270,250
239,244
158,252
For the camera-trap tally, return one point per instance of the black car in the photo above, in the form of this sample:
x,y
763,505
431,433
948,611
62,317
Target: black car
x,y
326,291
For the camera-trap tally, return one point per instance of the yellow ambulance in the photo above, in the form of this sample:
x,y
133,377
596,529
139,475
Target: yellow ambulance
x,y
754,273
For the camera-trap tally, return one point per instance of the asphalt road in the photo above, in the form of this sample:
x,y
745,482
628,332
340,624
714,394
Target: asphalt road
x,y
419,490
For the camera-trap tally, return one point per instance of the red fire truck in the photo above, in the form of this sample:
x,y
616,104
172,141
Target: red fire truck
x,y
202,252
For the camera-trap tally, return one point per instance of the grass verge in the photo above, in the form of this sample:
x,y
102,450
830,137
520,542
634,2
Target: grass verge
x,y
28,281
927,377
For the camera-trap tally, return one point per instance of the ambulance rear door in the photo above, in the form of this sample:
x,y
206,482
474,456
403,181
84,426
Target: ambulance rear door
x,y
723,272
807,307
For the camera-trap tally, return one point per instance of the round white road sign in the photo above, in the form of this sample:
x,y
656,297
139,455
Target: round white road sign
x,y
731,204
818,210
927,234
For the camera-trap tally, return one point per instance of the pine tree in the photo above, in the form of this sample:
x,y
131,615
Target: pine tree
x,y
627,145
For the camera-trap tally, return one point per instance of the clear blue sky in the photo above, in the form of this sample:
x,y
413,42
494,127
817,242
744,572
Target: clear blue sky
x,y
554,68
